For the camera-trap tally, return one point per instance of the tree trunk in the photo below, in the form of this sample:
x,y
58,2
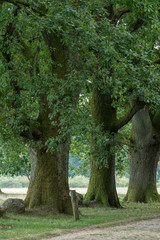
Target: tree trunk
x,y
102,188
143,161
49,180
49,170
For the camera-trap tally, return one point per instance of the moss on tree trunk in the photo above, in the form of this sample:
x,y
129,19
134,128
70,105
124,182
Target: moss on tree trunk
x,y
49,171
143,160
49,181
102,188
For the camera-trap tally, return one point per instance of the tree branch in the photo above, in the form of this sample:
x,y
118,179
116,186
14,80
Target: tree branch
x,y
19,3
124,120
137,25
9,32
16,2
29,54
119,14
157,61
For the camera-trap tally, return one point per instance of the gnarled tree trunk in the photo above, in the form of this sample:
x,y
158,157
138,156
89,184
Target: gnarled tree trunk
x,y
49,180
49,170
143,160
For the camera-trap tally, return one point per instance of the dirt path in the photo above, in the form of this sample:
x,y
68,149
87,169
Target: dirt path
x,y
142,230
120,190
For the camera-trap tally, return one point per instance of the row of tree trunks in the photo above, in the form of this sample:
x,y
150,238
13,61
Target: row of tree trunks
x,y
143,157
49,174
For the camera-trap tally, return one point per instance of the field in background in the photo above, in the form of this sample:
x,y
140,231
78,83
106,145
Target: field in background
x,y
75,182
22,191
19,184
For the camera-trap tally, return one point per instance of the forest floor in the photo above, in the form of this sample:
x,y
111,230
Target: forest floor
x,y
139,230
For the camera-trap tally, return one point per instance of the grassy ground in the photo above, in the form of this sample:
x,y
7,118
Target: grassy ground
x,y
34,225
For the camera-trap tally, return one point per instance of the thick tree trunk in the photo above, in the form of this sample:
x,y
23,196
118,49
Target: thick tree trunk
x,y
143,161
49,170
49,180
102,188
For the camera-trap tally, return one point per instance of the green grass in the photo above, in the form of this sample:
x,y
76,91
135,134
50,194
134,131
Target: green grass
x,y
29,226
78,181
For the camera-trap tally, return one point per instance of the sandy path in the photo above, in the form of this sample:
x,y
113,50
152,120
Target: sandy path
x,y
143,230
120,190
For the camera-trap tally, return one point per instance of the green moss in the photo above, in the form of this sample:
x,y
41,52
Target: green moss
x,y
150,194
101,187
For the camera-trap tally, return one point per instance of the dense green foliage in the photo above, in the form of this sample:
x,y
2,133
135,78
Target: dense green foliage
x,y
14,162
93,40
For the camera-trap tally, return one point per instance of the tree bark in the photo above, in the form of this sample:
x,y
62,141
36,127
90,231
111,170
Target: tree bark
x,y
102,187
49,170
49,173
49,180
143,160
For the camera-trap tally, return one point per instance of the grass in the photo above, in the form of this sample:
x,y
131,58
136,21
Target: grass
x,y
30,226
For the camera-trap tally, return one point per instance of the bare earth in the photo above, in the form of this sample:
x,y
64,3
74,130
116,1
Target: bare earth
x,y
143,230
